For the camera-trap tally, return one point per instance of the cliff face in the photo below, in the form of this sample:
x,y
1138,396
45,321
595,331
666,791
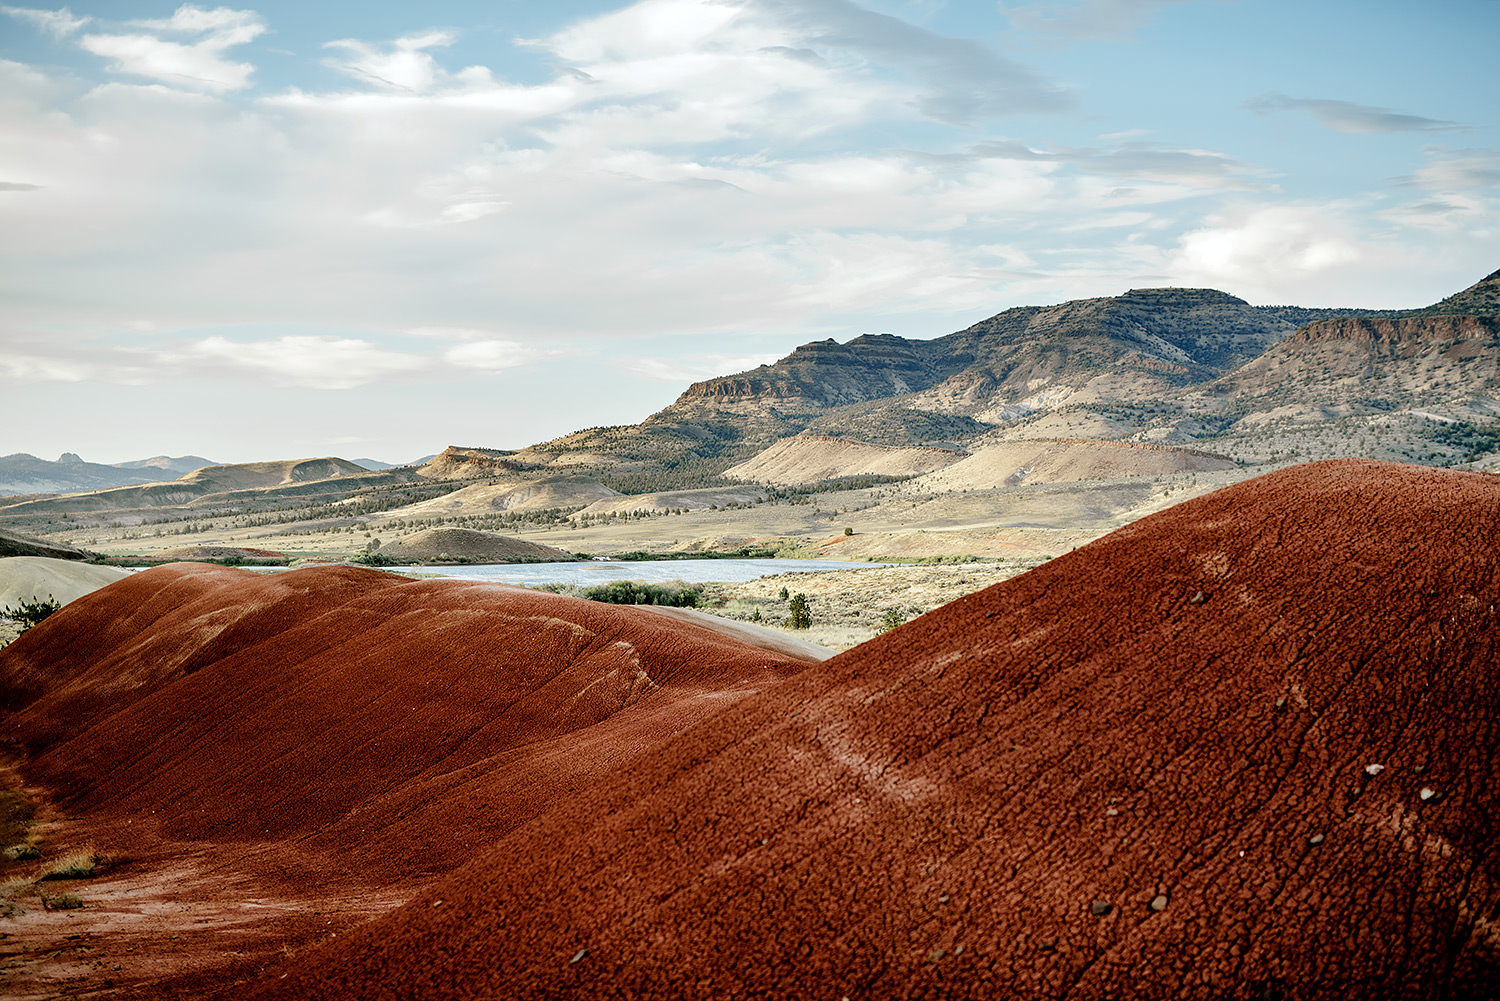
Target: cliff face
x,y
1147,340
1431,329
1396,361
829,374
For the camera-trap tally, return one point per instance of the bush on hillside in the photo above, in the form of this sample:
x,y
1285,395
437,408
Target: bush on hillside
x,y
631,592
29,613
797,614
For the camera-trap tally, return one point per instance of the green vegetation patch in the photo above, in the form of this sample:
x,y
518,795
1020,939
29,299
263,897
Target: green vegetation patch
x,y
30,611
631,592
1469,439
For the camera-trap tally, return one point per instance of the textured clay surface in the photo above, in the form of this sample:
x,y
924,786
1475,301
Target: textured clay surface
x,y
1245,748
399,724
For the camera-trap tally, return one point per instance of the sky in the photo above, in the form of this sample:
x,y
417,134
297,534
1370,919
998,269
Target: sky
x,y
377,229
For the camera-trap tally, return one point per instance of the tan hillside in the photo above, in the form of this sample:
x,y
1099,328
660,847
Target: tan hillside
x,y
1059,460
21,544
28,578
246,475
808,459
457,462
468,546
671,500
486,498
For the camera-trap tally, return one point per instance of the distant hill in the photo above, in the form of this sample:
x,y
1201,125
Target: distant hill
x,y
22,473
268,480
167,463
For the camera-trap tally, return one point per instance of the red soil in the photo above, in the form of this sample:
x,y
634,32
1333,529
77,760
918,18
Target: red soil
x,y
399,722
1143,770
319,742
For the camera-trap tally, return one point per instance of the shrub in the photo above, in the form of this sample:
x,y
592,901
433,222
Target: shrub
x,y
74,865
630,592
848,531
797,614
29,613
893,618
62,902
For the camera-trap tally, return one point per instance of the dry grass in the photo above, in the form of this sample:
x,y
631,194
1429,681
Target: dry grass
x,y
81,863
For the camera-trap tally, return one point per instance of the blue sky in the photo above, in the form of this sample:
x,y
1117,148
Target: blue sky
x,y
378,229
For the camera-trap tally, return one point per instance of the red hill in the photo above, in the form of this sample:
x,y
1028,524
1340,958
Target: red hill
x,y
399,723
1244,748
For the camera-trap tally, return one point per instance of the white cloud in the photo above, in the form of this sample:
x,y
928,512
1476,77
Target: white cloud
x,y
404,66
312,362
199,64
57,23
491,355
1239,248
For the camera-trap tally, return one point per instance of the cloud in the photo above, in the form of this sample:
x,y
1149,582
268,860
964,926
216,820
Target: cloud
x,y
314,362
1236,246
492,355
199,64
1083,19
57,23
304,361
960,79
1345,116
19,186
1137,160
1459,170
403,66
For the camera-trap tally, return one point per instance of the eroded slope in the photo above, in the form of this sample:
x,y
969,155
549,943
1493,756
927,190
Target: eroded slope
x,y
1243,748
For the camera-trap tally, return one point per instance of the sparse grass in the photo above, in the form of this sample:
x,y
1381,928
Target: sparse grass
x,y
61,902
16,886
81,863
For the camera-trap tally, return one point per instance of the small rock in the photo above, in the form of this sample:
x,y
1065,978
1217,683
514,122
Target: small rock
x,y
1427,793
1374,769
1199,598
1099,908
1419,769
934,955
1111,812
577,956
1316,839
1159,902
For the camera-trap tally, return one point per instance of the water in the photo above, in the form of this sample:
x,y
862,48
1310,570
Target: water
x,y
652,571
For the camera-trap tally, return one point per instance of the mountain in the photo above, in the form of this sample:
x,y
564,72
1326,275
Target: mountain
x,y
22,473
888,390
1145,342
232,485
167,463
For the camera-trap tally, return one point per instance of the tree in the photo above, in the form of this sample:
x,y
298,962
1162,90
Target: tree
x,y
797,614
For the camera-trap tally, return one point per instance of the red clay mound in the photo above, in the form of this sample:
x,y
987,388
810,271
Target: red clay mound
x,y
399,723
1244,748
